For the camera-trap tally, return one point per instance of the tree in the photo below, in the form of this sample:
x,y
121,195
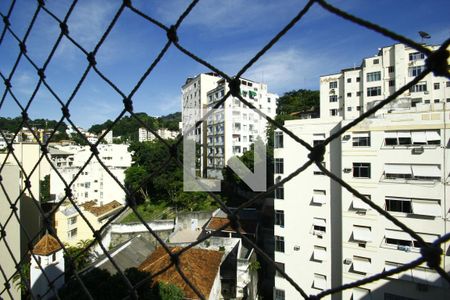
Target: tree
x,y
73,262
297,101
44,189
169,292
21,279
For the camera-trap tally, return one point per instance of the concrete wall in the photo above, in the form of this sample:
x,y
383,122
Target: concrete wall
x,y
122,232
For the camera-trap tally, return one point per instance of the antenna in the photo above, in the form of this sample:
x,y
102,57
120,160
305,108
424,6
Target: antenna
x,y
424,35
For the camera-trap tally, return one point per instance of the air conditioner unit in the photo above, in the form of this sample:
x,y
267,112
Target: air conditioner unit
x,y
426,92
346,137
296,248
347,170
418,150
347,261
404,248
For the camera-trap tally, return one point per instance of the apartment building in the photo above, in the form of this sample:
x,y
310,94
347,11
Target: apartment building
x,y
233,127
398,158
94,182
193,103
71,228
144,135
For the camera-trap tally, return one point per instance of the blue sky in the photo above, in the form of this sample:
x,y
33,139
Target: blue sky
x,y
225,33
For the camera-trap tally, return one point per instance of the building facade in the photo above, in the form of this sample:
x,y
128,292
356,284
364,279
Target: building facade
x,y
233,127
145,136
398,158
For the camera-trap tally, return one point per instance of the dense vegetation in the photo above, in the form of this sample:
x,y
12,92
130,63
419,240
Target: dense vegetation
x,y
157,181
127,127
13,124
297,101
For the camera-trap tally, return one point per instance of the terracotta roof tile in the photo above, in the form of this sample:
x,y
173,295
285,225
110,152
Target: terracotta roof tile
x,y
199,265
91,207
247,226
46,245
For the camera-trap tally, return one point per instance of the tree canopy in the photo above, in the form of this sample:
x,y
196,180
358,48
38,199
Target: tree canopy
x,y
127,127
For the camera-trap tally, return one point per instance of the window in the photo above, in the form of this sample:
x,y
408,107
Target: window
x,y
333,98
278,142
447,100
361,139
416,56
279,295
349,108
72,221
415,71
373,76
349,94
279,243
447,84
361,170
423,207
374,91
319,226
376,61
349,80
391,69
319,197
279,218
358,108
333,84
71,234
361,264
392,82
358,93
436,85
320,253
333,112
279,166
436,100
420,87
427,102
408,138
281,266
362,233
320,282
358,79
279,191
318,139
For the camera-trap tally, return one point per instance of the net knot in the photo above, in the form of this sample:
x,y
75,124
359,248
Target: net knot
x,y
41,2
7,285
2,233
41,74
235,87
23,47
64,28
97,235
6,21
68,192
172,34
27,183
65,112
94,150
7,83
44,149
174,257
437,62
128,104
313,297
24,116
127,3
432,254
10,148
91,59
13,207
317,153
1,178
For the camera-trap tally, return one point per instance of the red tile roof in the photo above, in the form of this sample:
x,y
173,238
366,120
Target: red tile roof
x,y
247,226
199,265
47,245
91,207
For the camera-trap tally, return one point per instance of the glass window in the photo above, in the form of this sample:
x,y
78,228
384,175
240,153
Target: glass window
x,y
415,71
279,243
374,76
279,217
374,91
278,142
416,56
391,69
333,84
279,295
333,98
361,139
436,85
361,170
279,166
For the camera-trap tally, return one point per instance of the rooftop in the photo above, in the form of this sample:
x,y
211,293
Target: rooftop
x,y
199,265
47,245
91,207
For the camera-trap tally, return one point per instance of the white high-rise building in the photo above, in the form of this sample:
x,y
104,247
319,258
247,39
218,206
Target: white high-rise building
x,y
398,158
232,128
